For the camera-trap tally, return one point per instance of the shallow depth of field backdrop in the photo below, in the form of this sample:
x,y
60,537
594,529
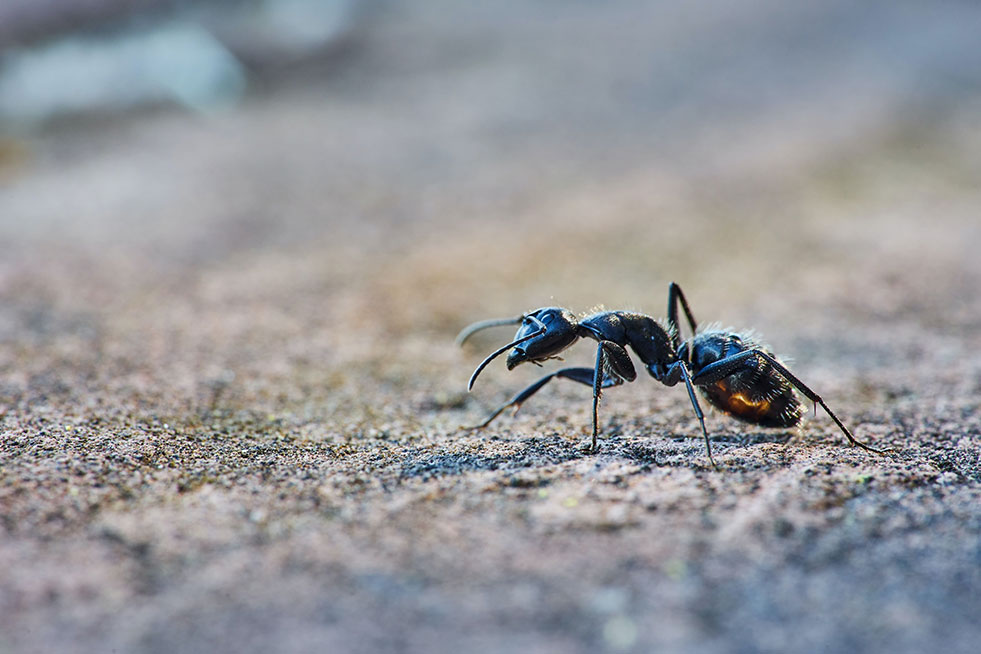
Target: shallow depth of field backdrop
x,y
238,239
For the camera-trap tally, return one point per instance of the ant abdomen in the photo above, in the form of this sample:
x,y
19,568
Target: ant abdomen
x,y
754,392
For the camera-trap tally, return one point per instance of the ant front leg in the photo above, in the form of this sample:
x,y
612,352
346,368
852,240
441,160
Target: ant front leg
x,y
581,375
613,357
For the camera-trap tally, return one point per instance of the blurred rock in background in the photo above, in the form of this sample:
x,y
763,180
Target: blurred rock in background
x,y
59,57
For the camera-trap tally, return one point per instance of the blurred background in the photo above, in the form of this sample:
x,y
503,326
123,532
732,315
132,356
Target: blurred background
x,y
244,219
235,123
424,164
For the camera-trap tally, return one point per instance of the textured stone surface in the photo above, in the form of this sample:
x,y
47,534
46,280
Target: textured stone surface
x,y
230,400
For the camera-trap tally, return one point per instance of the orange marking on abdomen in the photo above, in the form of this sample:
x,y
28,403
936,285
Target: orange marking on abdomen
x,y
737,404
741,405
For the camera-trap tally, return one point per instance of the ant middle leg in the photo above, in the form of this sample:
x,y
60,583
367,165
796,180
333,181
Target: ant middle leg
x,y
698,412
670,376
675,295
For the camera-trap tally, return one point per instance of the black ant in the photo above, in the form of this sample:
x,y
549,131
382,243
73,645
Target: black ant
x,y
735,372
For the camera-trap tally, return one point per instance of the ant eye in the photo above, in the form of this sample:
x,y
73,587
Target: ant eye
x,y
547,318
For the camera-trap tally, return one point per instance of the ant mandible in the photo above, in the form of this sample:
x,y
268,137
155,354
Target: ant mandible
x,y
735,372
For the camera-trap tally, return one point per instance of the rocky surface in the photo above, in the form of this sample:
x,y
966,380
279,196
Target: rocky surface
x,y
231,406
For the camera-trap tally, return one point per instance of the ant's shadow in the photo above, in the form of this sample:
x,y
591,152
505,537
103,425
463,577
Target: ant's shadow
x,y
542,451
675,451
538,452
754,438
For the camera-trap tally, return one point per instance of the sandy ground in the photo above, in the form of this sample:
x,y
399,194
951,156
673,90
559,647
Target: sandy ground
x,y
231,404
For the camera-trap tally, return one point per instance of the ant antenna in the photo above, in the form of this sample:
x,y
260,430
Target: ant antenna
x,y
470,330
541,330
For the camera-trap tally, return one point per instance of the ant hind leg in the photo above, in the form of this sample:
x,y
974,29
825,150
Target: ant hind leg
x,y
816,399
726,367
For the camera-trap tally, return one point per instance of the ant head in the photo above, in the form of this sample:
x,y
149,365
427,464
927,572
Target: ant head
x,y
543,335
